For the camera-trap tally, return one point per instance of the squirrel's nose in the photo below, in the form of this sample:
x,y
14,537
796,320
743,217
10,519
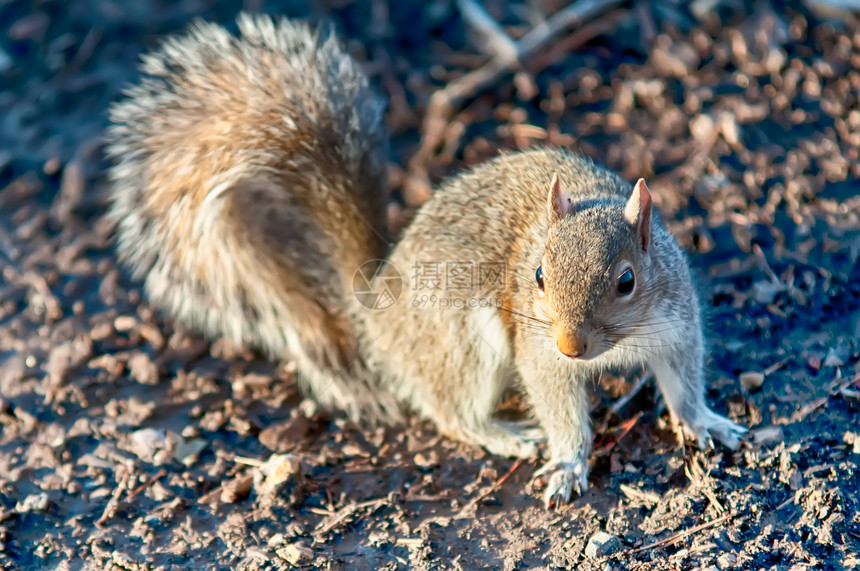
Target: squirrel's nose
x,y
571,344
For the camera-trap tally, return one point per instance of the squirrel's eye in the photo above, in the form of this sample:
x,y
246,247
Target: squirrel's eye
x,y
539,277
625,282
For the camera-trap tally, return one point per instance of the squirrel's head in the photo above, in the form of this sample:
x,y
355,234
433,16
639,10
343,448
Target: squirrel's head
x,y
594,273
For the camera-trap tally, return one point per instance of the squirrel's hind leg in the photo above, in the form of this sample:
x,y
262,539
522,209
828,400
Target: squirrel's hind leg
x,y
464,411
495,436
462,394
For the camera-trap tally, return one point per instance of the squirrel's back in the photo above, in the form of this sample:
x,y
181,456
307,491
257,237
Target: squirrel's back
x,y
250,185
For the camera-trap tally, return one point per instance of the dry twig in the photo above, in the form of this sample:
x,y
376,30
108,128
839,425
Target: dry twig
x,y
682,534
157,476
489,490
113,503
634,390
339,517
496,40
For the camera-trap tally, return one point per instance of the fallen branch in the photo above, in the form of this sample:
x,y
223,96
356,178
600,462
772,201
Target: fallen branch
x,y
444,102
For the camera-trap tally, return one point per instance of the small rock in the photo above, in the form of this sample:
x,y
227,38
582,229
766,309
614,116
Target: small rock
x,y
795,480
853,439
101,331
416,190
143,369
33,503
52,165
285,436
187,452
428,461
353,449
66,357
647,89
727,561
308,408
237,489
703,129
72,188
767,435
729,128
674,58
151,334
836,356
601,544
124,323
751,380
275,471
295,553
704,9
31,27
151,445
377,538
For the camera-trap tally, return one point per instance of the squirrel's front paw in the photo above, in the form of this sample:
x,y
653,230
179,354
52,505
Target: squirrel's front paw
x,y
711,424
562,478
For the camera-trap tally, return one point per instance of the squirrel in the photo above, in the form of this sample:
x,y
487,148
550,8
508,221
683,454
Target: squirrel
x,y
249,195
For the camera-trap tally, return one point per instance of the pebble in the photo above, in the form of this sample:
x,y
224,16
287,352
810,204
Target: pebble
x,y
852,438
124,323
237,489
151,445
751,380
295,553
601,544
767,435
427,461
729,128
275,471
727,561
143,369
702,128
33,503
674,58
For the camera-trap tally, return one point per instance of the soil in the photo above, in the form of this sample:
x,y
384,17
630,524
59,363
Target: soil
x,y
128,443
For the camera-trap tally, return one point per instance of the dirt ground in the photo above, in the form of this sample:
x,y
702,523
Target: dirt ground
x,y
129,444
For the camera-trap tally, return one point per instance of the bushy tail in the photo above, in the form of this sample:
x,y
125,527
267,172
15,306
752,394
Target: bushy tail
x,y
249,186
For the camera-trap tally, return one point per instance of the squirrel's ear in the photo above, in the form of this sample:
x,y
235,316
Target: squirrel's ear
x,y
637,212
558,203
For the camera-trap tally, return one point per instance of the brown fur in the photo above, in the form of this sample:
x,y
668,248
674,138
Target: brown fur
x,y
246,196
